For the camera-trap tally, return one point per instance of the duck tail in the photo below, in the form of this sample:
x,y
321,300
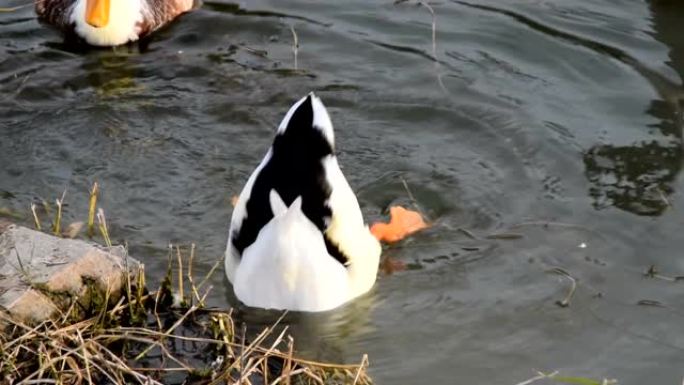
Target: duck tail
x,y
308,114
279,207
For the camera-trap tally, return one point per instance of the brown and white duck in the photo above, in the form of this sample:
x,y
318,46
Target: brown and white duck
x,y
110,22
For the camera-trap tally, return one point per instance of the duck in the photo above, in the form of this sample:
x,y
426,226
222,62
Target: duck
x,y
297,237
106,23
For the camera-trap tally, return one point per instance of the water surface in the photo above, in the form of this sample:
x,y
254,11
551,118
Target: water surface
x,y
557,123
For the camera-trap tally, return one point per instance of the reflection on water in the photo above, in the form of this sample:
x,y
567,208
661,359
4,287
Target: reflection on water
x,y
638,178
319,336
635,178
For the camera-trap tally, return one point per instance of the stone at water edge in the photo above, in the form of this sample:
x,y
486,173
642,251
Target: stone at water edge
x,y
53,270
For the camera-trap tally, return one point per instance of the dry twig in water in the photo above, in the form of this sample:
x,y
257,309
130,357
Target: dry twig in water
x,y
295,45
565,302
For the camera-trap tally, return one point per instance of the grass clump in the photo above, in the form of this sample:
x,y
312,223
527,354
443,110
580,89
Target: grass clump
x,y
165,336
143,338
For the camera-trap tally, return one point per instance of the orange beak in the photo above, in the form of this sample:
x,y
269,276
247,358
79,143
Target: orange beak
x,y
97,13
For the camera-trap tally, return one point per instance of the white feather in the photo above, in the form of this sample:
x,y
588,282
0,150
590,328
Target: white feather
x,y
321,120
232,257
288,265
123,26
348,231
278,207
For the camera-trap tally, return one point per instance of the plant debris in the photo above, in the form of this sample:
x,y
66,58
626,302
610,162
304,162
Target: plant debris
x,y
166,336
144,339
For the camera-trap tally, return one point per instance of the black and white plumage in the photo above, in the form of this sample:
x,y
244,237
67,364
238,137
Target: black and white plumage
x,y
109,22
297,238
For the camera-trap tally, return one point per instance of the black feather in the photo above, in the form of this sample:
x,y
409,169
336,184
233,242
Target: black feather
x,y
295,169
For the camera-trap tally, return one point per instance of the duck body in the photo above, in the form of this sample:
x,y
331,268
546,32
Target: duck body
x,y
297,238
109,22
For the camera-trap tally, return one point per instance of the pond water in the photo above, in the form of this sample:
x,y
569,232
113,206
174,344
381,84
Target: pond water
x,y
536,134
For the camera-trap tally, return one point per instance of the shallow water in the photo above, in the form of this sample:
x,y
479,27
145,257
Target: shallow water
x,y
553,125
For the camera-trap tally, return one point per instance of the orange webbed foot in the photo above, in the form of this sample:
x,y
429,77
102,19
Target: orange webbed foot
x,y
402,223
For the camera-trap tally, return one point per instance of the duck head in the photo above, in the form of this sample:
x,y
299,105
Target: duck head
x,y
108,22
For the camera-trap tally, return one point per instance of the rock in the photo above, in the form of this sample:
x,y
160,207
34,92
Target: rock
x,y
41,275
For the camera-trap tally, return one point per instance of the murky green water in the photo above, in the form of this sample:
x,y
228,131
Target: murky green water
x,y
559,121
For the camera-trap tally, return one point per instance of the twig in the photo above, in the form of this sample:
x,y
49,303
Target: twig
x,y
362,366
191,281
539,376
262,359
174,326
434,28
35,217
408,191
181,292
242,350
295,45
562,272
102,224
287,373
209,274
12,9
414,202
653,272
85,356
468,233
434,42
56,228
92,204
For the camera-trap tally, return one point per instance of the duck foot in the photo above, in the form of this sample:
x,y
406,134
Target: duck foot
x,y
402,223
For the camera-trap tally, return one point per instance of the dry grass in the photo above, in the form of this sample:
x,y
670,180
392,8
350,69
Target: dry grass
x,y
160,337
133,341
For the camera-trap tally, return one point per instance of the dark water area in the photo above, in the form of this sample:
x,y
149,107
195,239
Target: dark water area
x,y
551,130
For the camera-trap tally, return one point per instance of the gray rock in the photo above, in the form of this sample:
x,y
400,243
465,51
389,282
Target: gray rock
x,y
41,275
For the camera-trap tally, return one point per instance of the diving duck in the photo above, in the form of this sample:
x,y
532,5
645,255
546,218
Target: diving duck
x,y
109,22
297,237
